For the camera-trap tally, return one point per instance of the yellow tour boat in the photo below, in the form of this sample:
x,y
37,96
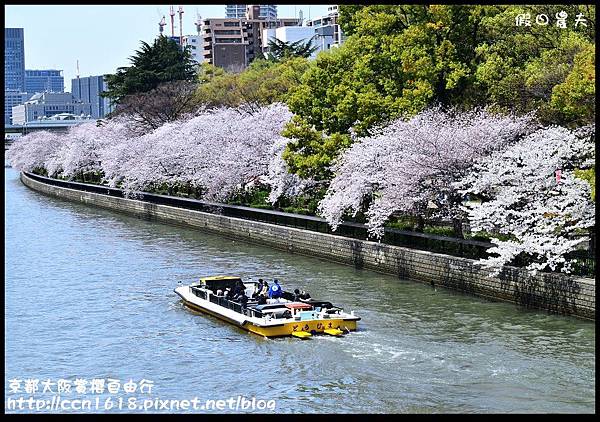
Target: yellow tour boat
x,y
287,315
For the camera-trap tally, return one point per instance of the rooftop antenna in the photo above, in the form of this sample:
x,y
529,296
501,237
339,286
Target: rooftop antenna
x,y
180,11
172,13
77,68
161,25
300,17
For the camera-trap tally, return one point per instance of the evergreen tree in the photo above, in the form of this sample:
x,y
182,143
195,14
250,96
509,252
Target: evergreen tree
x,y
163,61
282,50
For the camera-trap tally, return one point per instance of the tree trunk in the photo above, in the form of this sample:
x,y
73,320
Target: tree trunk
x,y
458,228
420,224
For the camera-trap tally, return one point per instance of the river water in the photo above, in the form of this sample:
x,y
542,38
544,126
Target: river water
x,y
89,295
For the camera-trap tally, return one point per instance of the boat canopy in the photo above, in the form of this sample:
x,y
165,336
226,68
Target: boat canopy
x,y
220,281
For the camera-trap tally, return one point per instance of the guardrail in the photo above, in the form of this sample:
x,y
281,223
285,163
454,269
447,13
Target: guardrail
x,y
472,249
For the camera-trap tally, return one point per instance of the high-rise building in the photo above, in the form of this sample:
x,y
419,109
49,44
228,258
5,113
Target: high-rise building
x,y
49,80
14,70
267,11
14,59
87,90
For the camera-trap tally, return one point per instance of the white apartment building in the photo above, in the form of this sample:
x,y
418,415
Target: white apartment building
x,y
196,46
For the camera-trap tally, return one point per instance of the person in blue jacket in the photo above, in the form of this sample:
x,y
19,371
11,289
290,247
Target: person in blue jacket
x,y
275,290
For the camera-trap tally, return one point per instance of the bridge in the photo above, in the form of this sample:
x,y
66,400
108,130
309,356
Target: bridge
x,y
13,132
53,125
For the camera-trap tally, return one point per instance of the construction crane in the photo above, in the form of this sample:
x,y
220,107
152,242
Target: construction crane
x,y
180,12
161,25
172,21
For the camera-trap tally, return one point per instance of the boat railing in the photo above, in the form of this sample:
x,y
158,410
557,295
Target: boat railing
x,y
199,293
226,303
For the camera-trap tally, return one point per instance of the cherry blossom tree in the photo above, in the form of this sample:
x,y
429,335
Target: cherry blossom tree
x,y
34,151
66,154
279,179
409,165
220,151
529,191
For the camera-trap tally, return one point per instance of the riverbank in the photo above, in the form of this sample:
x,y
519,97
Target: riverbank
x,y
555,293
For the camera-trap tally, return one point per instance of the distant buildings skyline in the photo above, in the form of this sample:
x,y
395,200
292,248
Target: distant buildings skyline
x,y
21,83
33,94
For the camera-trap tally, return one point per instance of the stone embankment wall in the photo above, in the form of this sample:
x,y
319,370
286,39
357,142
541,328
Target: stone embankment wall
x,y
556,293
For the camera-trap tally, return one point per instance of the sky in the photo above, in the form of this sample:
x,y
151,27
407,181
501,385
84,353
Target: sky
x,y
103,38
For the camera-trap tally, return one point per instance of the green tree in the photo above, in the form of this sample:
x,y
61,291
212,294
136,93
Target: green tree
x,y
163,61
575,98
521,67
263,82
397,61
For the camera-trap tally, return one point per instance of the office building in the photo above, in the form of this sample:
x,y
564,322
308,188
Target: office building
x,y
87,90
49,80
47,104
14,59
14,69
267,11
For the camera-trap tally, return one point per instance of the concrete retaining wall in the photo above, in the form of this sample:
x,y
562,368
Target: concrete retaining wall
x,y
556,293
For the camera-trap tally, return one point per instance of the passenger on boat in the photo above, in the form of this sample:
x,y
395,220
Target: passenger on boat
x,y
219,292
275,290
265,290
296,295
243,299
304,295
261,300
238,289
261,283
